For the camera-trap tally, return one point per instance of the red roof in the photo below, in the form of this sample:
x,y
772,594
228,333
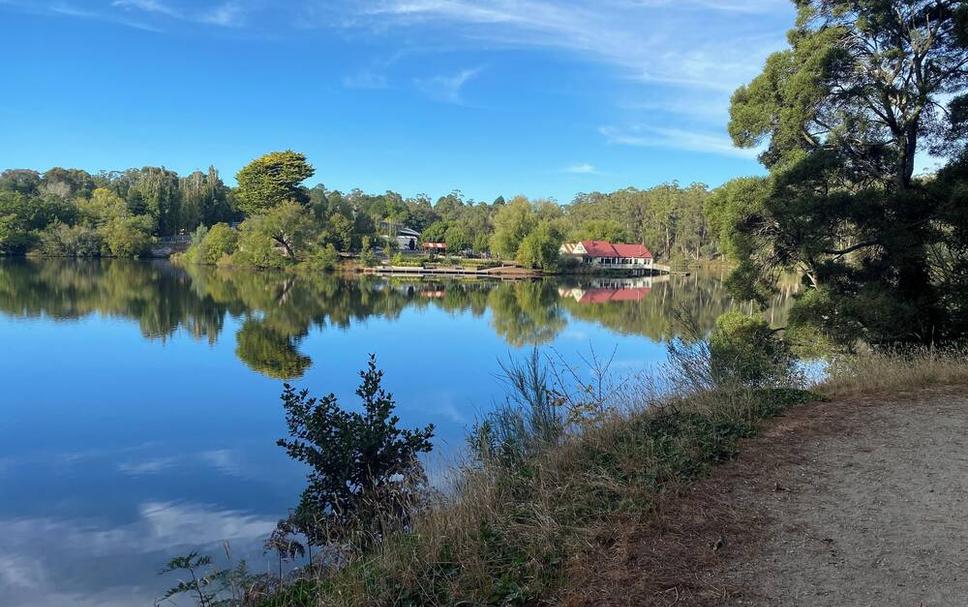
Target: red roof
x,y
607,295
603,248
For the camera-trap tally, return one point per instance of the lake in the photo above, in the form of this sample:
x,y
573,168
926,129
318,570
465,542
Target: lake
x,y
140,401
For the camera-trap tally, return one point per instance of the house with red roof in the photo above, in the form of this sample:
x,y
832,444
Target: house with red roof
x,y
609,255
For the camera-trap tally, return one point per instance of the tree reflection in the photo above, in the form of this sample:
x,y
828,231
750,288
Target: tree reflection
x,y
527,313
277,310
270,352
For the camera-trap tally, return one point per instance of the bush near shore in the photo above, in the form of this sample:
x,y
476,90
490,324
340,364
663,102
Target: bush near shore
x,y
563,465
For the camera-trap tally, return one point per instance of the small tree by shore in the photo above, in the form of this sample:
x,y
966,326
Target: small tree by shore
x,y
365,473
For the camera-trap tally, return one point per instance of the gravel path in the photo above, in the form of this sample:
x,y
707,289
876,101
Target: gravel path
x,y
847,503
873,510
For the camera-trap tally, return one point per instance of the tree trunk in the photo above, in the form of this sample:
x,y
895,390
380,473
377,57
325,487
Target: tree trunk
x,y
285,245
908,147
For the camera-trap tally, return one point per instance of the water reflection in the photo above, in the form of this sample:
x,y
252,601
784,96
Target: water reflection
x,y
122,447
278,310
101,562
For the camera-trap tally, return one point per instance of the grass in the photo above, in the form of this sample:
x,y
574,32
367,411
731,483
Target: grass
x,y
510,534
521,531
897,370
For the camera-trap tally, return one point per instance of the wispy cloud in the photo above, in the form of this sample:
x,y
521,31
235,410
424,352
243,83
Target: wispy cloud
x,y
582,168
148,6
227,14
69,10
226,461
658,41
674,61
447,88
148,15
676,138
366,79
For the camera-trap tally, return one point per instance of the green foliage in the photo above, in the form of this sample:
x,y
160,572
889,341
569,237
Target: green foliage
x,y
364,470
23,216
668,219
22,181
209,246
204,200
325,258
512,223
540,248
729,207
844,111
73,197
62,240
534,503
204,583
271,180
367,257
14,230
435,232
127,236
610,230
340,231
221,240
457,239
154,191
102,207
120,233
531,420
744,351
279,238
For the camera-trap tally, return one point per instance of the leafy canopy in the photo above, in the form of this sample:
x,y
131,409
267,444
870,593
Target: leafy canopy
x,y
843,112
271,180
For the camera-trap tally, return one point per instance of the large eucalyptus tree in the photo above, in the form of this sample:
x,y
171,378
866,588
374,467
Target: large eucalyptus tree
x,y
865,91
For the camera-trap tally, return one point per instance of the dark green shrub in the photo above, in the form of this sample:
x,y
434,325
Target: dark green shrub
x,y
365,474
744,351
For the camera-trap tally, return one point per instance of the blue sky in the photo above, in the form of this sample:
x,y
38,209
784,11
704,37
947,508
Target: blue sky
x,y
535,97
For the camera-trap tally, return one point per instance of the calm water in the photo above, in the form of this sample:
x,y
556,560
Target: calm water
x,y
140,401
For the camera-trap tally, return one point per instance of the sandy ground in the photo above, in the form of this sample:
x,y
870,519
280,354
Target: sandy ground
x,y
874,511
860,502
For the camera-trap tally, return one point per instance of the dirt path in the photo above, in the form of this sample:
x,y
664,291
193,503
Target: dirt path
x,y
859,502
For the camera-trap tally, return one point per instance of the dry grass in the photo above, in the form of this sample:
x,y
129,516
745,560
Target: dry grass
x,y
557,527
896,371
519,535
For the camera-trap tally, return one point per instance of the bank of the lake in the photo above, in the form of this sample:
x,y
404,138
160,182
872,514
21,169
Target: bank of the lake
x,y
636,508
110,364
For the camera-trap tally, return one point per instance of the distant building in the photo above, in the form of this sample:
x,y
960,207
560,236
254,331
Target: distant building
x,y
407,239
436,247
604,253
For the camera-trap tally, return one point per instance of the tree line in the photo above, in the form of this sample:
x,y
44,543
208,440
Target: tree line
x,y
287,223
271,219
69,212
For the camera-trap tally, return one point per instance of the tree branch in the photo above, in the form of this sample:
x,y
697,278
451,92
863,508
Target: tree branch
x,y
851,249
